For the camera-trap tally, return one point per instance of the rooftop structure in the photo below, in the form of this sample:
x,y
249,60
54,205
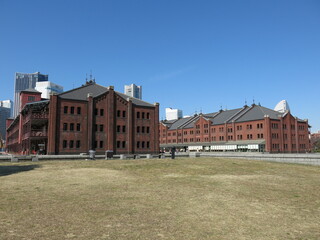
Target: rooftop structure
x,y
133,91
282,106
47,88
173,114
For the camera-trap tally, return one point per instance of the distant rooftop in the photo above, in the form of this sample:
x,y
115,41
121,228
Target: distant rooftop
x,y
244,114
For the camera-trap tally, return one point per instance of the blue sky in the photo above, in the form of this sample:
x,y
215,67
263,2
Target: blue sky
x,y
192,55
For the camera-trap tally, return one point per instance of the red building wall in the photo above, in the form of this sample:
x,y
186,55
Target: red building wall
x,y
286,134
107,122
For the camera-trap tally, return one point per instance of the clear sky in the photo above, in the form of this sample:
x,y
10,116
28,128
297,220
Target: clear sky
x,y
193,55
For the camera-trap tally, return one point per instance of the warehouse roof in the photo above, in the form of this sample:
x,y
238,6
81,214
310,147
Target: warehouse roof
x,y
257,112
246,113
96,90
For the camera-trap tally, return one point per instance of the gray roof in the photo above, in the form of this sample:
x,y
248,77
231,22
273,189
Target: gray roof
x,y
254,112
135,101
96,90
168,123
35,105
32,90
257,112
192,122
81,93
38,102
180,122
224,116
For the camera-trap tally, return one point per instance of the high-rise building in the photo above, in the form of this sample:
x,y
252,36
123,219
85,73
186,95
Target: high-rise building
x,y
47,88
173,114
25,81
133,91
5,113
7,104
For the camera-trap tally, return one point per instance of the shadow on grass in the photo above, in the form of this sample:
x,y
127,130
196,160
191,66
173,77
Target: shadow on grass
x,y
8,170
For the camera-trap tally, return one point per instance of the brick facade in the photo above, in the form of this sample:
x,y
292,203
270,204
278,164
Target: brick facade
x,y
89,117
238,130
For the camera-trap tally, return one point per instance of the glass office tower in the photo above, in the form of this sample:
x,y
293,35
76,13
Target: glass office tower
x,y
24,81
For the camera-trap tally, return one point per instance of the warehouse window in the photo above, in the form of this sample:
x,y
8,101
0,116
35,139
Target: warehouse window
x,y
31,98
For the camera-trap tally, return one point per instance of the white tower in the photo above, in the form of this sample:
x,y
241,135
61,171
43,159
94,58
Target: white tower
x,y
282,106
47,88
173,114
133,91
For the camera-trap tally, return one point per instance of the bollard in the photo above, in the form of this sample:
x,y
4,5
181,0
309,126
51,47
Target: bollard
x,y
14,159
92,154
173,153
194,154
109,154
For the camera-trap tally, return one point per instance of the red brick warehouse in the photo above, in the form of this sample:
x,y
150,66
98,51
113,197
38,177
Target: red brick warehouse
x,y
90,117
251,128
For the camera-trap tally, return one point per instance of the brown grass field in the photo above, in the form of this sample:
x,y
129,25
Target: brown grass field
x,y
200,198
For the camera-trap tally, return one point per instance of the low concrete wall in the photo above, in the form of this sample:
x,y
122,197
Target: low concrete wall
x,y
310,159
303,158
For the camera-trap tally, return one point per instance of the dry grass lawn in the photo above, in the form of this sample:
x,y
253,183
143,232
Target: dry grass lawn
x,y
206,198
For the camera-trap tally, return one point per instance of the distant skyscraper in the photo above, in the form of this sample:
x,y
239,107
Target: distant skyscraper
x,y
24,81
47,88
173,114
133,91
5,112
7,104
